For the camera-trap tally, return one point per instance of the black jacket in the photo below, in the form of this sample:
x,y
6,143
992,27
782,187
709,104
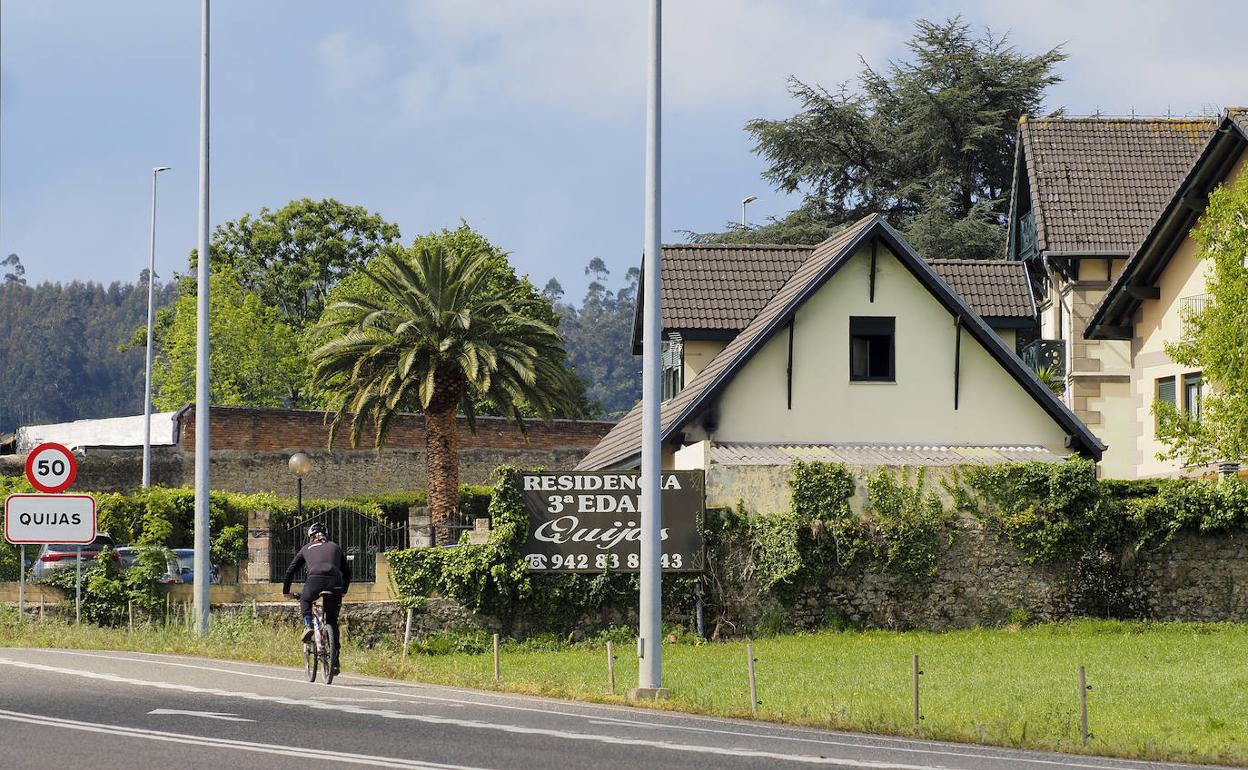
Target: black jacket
x,y
323,560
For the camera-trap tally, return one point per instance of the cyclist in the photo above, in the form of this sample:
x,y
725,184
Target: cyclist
x,y
328,570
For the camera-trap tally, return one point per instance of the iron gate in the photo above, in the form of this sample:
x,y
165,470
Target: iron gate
x,y
361,537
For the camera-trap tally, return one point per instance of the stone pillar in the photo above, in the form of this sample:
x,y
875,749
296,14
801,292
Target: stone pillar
x,y
258,538
419,529
480,531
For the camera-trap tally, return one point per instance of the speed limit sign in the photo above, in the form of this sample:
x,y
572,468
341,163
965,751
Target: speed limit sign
x,y
51,468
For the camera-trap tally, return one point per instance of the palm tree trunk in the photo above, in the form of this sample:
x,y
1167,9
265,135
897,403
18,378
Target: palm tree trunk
x,y
442,444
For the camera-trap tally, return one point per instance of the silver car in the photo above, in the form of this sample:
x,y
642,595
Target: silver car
x,y
54,557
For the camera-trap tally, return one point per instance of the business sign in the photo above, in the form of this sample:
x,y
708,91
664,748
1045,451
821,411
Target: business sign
x,y
49,519
591,521
51,468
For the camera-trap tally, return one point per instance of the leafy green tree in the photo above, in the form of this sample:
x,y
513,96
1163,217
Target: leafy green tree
x,y
928,142
441,340
1217,342
14,271
599,338
254,360
502,282
292,257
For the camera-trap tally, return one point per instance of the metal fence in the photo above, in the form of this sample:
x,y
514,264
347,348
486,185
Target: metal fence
x,y
361,537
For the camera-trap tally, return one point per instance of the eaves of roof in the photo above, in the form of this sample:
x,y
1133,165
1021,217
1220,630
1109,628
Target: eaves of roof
x,y
623,442
1111,319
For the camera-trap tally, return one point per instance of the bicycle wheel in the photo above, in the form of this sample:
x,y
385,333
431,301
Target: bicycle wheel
x,y
328,645
310,660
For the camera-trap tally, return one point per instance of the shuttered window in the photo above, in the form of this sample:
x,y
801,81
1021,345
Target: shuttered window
x,y
1165,391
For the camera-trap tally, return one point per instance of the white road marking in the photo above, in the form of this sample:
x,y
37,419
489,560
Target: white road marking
x,y
468,723
865,742
224,717
357,700
226,743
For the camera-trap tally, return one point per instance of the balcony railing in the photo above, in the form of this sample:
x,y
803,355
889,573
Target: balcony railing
x,y
1191,306
1046,354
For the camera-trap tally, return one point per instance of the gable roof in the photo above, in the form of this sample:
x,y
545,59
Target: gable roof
x,y
1095,184
624,441
1186,200
713,289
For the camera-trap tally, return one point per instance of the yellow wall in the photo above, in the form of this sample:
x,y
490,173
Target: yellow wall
x,y
917,408
1156,323
698,353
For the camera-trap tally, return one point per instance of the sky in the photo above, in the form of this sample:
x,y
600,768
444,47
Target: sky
x,y
523,117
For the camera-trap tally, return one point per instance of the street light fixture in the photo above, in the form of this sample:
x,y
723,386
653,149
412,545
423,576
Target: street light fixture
x,y
300,466
151,316
745,202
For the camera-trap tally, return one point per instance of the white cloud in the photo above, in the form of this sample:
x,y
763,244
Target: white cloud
x,y
349,63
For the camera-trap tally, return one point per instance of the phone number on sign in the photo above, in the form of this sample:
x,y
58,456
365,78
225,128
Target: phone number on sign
x,y
610,561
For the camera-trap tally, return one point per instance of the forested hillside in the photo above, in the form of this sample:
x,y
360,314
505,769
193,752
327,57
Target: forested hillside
x,y
59,357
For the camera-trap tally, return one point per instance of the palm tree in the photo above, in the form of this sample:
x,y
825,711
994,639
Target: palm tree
x,y
438,340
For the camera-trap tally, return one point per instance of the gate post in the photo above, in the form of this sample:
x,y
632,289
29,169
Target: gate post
x,y
419,527
259,540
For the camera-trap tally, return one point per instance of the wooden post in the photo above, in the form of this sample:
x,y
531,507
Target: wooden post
x,y
1083,706
255,612
407,633
915,673
40,605
497,672
130,612
611,666
750,661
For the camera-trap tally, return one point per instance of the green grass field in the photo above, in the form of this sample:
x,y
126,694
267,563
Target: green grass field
x,y
1159,691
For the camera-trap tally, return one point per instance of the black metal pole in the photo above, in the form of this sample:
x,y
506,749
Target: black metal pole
x,y
299,498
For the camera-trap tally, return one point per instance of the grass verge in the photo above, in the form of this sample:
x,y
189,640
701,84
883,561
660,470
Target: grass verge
x,y
1170,691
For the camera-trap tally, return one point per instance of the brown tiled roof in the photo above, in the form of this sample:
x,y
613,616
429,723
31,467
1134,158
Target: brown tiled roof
x,y
723,287
1097,184
993,288
878,454
624,440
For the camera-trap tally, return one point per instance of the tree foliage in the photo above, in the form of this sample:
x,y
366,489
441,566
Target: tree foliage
x,y
929,142
599,338
1217,341
14,271
59,348
291,258
255,359
439,340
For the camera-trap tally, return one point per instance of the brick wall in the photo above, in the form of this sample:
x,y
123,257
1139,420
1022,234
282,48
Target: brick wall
x,y
282,430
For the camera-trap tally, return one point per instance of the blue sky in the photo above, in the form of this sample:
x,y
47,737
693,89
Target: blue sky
x,y
525,118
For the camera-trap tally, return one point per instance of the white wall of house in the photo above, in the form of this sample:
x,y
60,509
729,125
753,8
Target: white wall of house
x,y
917,408
1156,323
698,353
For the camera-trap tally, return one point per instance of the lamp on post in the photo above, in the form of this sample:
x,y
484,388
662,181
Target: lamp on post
x,y
300,466
745,202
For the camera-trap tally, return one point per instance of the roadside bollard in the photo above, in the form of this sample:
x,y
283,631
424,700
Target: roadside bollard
x,y
407,633
611,666
497,673
255,610
40,605
750,661
130,612
915,673
1083,705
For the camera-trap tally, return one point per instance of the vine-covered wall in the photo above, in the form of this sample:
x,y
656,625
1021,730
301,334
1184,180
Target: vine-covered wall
x,y
983,545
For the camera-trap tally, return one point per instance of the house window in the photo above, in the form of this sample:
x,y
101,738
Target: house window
x,y
871,349
673,359
1165,391
1193,395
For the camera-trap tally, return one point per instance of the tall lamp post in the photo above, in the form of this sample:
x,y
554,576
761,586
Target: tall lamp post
x,y
203,443
151,321
300,466
745,202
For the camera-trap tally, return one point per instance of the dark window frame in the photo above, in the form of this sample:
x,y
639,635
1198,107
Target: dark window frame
x,y
1193,383
873,327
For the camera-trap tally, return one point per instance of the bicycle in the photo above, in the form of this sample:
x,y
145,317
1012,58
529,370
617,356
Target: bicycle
x,y
320,651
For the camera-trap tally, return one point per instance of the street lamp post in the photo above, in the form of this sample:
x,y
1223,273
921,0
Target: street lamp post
x,y
203,442
300,466
151,320
745,202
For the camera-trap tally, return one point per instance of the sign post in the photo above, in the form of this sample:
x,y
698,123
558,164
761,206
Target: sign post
x,y
50,517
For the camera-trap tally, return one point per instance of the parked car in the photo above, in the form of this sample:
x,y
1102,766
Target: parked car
x,y
130,556
54,556
186,566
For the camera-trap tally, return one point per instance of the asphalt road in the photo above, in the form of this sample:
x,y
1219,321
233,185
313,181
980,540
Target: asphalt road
x,y
85,709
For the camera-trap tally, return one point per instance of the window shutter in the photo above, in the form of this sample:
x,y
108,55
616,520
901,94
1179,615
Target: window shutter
x,y
1165,390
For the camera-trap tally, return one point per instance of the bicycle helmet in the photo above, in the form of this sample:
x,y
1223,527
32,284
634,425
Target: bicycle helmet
x,y
317,529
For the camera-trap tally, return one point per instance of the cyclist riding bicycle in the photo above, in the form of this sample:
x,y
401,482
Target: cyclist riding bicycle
x,y
328,570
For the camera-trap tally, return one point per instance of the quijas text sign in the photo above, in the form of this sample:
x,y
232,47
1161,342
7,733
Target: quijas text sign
x,y
591,521
49,519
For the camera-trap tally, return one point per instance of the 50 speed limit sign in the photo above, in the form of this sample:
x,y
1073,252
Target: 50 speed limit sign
x,y
51,468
